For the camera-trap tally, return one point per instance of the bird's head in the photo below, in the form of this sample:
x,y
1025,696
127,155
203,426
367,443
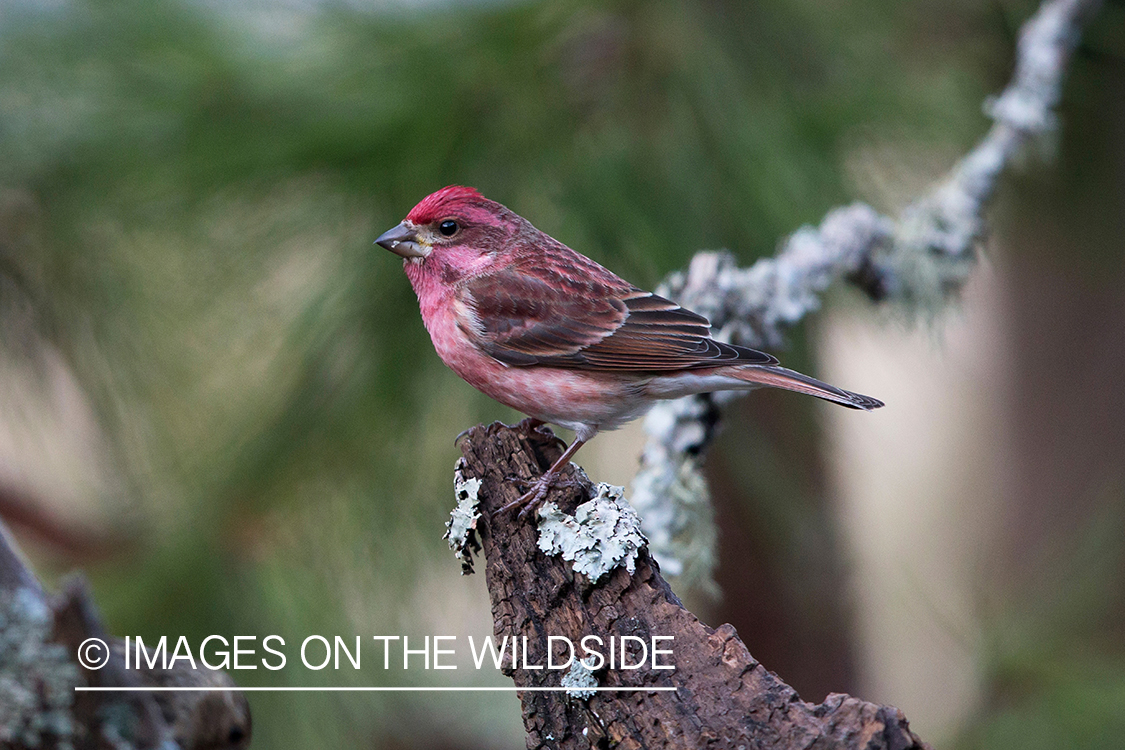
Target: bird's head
x,y
456,226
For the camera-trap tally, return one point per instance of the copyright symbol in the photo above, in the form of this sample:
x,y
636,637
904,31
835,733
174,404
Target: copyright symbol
x,y
93,653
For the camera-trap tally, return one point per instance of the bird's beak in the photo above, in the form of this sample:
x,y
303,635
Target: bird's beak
x,y
401,240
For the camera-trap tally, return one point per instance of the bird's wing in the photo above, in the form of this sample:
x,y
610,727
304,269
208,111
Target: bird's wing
x,y
591,320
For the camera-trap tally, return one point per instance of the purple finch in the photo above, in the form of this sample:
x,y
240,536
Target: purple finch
x,y
549,332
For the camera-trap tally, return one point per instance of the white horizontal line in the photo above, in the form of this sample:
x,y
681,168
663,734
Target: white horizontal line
x,y
370,689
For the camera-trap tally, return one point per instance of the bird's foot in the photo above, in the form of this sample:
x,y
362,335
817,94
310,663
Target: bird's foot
x,y
536,428
537,491
529,424
533,498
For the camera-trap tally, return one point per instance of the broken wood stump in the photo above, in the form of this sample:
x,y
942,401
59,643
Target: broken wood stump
x,y
717,695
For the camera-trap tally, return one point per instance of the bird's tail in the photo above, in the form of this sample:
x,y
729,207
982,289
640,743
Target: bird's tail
x,y
781,377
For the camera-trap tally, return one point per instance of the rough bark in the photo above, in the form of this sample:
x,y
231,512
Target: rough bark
x,y
40,638
724,698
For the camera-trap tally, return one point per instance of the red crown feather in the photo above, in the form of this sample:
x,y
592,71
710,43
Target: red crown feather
x,y
444,202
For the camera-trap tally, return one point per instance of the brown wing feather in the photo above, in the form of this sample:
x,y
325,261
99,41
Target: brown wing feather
x,y
591,321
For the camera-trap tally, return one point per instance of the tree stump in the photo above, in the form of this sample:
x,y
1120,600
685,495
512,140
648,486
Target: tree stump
x,y
724,698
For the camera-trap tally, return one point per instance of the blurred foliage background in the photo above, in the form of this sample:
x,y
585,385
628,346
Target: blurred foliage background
x,y
217,397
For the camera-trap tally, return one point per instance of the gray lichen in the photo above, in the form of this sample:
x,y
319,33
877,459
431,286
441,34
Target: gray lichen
x,y
921,260
461,527
578,681
37,677
603,533
677,517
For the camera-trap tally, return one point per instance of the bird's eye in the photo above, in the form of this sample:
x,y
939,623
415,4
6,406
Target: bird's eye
x,y
448,227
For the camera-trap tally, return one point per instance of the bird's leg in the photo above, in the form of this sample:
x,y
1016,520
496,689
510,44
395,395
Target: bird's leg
x,y
542,485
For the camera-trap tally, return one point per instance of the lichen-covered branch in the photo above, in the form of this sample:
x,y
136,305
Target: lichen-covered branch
x,y
919,259
716,696
40,635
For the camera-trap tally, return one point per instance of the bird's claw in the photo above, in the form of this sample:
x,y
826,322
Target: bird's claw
x,y
529,424
531,499
536,428
536,494
513,479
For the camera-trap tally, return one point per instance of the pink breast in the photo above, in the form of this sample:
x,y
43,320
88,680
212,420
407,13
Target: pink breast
x,y
560,396
566,397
